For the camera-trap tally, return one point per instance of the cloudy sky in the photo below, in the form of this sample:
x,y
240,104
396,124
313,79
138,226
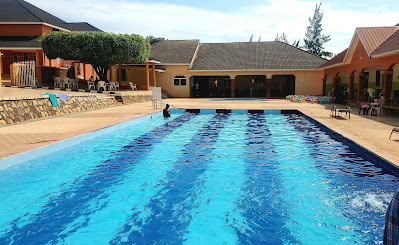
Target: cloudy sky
x,y
226,21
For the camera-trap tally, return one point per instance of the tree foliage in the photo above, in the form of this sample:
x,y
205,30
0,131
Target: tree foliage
x,y
314,40
153,40
282,38
100,49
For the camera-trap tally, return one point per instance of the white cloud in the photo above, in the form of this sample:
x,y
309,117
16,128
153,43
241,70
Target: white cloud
x,y
180,22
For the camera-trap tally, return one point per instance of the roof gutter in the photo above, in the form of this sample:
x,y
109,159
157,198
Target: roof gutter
x,y
34,23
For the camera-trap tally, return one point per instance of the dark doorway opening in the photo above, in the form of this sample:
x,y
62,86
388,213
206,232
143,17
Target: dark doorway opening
x,y
282,85
210,86
250,86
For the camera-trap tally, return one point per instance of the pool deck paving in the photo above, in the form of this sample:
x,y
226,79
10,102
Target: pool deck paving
x,y
371,132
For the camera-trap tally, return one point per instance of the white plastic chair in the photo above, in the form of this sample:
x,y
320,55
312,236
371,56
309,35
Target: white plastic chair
x,y
57,82
74,83
91,85
370,92
378,106
132,86
65,82
112,85
101,84
117,85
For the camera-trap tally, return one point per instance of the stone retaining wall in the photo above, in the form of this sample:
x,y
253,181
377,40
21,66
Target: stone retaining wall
x,y
127,99
15,111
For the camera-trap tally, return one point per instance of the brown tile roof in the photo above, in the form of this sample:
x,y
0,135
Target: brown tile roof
x,y
339,58
20,42
373,37
391,44
174,51
254,56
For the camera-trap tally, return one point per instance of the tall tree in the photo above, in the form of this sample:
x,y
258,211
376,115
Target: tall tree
x,y
100,49
153,40
314,40
282,38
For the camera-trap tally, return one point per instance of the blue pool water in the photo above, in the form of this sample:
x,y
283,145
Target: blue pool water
x,y
246,178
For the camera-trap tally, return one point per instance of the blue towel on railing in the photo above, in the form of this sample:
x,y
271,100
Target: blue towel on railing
x,y
53,99
63,97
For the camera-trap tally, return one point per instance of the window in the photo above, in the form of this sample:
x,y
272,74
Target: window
x,y
123,74
34,57
58,61
378,78
78,69
180,81
123,71
15,57
26,56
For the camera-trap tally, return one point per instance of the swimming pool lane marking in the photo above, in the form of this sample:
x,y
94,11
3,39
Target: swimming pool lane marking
x,y
165,225
215,215
139,186
261,193
69,204
355,182
39,179
301,179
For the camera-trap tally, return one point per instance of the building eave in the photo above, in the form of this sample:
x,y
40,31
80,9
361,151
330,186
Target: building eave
x,y
385,54
257,70
19,48
332,66
34,23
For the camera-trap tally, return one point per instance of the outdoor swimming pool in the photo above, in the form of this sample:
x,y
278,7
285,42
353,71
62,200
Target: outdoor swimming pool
x,y
209,178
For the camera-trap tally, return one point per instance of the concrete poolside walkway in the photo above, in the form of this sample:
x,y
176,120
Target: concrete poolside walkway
x,y
33,134
369,131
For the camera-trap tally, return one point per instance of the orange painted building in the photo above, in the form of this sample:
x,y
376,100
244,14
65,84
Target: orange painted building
x,y
21,26
370,62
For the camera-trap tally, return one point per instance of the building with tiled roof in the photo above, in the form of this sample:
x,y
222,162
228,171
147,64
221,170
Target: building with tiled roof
x,y
21,26
188,68
273,55
371,62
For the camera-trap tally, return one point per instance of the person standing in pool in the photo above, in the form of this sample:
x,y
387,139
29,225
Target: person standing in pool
x,y
166,112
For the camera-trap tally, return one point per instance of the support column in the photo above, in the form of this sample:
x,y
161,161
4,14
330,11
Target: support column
x,y
324,87
37,58
351,85
387,85
268,85
336,83
120,74
84,71
147,74
360,96
1,68
233,81
154,79
110,74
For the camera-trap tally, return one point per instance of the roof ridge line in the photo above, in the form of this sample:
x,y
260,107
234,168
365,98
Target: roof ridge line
x,y
301,50
29,10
